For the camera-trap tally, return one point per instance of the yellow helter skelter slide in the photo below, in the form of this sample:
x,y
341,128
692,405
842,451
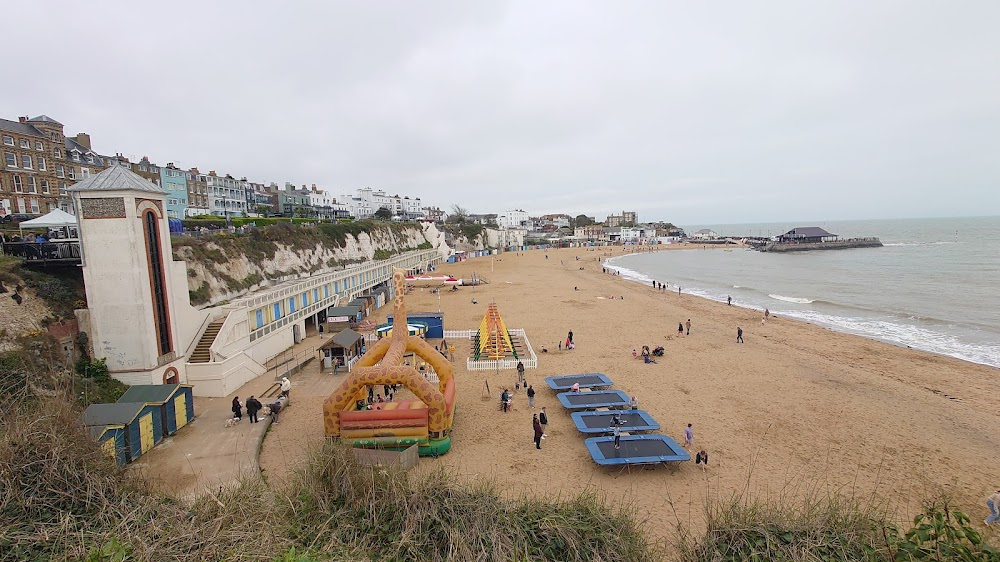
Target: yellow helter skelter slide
x,y
494,340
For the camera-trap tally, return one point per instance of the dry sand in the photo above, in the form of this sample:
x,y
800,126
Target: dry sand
x,y
797,408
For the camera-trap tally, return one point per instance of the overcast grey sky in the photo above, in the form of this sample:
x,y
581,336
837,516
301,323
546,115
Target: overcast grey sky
x,y
692,112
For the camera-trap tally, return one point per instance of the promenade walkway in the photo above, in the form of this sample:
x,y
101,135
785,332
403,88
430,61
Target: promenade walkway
x,y
206,455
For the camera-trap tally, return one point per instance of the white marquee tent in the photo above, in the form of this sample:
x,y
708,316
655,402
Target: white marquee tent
x,y
56,219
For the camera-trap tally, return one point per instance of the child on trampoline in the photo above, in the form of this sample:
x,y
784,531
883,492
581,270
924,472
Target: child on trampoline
x,y
618,436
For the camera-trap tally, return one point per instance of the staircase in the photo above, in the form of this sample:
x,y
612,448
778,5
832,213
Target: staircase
x,y
202,352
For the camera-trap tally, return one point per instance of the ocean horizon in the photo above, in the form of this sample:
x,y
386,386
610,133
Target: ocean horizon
x,y
933,286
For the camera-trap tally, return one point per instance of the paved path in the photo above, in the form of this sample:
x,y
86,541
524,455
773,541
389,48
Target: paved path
x,y
205,454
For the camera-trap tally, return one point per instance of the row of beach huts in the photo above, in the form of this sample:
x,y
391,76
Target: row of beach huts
x,y
140,419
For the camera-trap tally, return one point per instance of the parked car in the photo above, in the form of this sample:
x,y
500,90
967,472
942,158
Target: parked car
x,y
21,217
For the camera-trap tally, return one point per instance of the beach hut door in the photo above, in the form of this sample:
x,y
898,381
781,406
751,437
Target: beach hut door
x,y
180,411
146,432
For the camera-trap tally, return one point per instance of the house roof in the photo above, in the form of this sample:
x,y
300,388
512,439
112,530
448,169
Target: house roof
x,y
116,178
807,232
20,128
149,393
112,414
44,119
346,338
342,310
704,231
71,144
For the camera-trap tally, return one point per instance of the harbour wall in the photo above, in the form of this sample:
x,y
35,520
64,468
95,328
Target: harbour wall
x,y
835,245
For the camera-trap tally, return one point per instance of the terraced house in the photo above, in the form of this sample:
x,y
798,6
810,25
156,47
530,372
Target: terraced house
x,y
39,162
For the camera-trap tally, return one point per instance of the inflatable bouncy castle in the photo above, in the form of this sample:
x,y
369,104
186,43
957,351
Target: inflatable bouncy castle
x,y
425,421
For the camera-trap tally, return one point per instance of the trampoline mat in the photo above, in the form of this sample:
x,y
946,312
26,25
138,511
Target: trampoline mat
x,y
604,420
583,380
634,448
587,398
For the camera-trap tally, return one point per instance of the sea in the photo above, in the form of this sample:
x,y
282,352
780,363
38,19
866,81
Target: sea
x,y
934,286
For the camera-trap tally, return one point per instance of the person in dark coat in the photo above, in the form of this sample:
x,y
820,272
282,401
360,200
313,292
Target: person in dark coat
x,y
237,409
253,406
537,426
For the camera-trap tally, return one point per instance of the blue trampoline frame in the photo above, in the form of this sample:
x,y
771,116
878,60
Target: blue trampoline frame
x,y
595,452
620,399
554,382
579,420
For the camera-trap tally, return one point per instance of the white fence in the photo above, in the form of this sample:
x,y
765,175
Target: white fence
x,y
530,362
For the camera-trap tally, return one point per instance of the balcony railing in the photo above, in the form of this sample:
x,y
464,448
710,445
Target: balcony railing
x,y
64,250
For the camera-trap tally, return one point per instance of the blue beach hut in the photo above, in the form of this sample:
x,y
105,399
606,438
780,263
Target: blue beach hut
x,y
142,424
176,403
111,439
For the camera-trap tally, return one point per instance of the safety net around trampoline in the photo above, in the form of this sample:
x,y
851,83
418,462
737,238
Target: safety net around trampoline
x,y
564,382
610,397
636,449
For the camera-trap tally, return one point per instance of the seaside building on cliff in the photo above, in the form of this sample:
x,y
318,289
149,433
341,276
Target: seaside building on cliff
x,y
39,162
627,218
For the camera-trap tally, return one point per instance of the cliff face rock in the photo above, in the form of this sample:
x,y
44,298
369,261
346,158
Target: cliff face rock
x,y
225,266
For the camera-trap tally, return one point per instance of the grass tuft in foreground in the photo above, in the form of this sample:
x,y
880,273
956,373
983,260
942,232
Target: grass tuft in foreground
x,y
62,499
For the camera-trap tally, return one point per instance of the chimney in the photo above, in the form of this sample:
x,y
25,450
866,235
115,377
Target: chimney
x,y
315,189
83,139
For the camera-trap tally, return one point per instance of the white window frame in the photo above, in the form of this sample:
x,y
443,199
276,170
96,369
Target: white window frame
x,y
60,171
26,162
24,143
90,158
32,184
6,158
39,146
8,140
76,156
55,152
71,173
18,185
41,164
45,186
84,173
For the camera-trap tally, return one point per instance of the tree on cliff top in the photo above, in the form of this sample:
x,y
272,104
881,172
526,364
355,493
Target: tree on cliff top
x,y
458,214
383,214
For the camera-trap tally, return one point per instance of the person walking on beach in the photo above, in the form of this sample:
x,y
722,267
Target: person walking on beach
x,y
678,290
993,502
729,300
739,335
688,436
237,409
531,397
569,336
520,372
537,426
253,406
688,325
680,328
543,419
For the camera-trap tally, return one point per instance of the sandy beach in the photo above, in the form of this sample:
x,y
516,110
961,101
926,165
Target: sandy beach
x,y
795,409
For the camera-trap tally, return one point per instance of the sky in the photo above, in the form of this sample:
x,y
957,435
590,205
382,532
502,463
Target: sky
x,y
689,112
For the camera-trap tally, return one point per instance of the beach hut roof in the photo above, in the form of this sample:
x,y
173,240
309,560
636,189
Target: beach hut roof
x,y
112,414
346,338
808,232
98,431
342,310
157,393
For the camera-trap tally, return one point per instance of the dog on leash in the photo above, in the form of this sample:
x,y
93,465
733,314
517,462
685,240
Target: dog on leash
x,y
232,421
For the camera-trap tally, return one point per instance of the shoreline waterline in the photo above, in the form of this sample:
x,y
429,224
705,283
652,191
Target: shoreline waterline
x,y
875,325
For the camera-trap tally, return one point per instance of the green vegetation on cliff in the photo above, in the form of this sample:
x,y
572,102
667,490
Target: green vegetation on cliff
x,y
261,244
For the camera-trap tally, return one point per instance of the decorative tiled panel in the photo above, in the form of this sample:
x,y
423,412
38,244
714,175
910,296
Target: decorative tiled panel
x,y
103,208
